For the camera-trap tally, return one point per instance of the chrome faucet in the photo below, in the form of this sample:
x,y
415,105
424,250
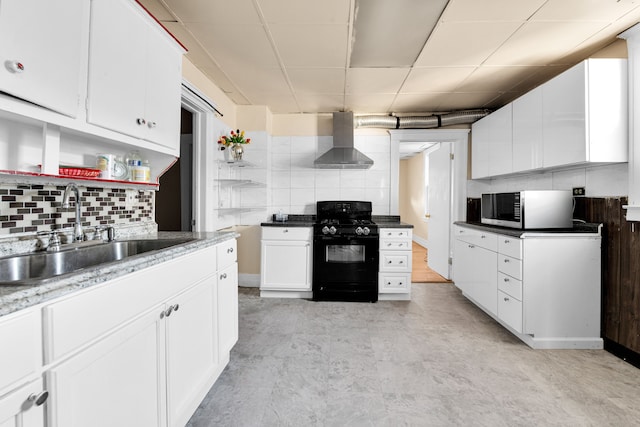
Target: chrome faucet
x,y
78,234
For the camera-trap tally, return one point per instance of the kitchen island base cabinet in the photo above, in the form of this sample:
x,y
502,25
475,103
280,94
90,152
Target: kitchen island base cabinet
x,y
542,287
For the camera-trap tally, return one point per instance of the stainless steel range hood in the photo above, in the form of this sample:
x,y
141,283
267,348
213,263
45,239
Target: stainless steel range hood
x,y
342,155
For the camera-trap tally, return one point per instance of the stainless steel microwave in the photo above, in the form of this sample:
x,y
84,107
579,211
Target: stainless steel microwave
x,y
533,209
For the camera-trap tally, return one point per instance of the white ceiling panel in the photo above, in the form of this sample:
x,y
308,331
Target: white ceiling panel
x,y
317,80
464,43
305,11
323,102
435,79
214,11
491,10
375,80
585,10
497,79
311,45
370,103
426,102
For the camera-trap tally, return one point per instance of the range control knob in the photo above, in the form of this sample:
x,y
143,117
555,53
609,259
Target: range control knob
x,y
366,231
332,230
359,231
325,230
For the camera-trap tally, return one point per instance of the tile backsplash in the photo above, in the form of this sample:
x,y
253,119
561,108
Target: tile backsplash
x,y
29,208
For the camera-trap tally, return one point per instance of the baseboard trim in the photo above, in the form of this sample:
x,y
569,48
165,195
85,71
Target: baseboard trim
x,y
422,242
249,280
622,352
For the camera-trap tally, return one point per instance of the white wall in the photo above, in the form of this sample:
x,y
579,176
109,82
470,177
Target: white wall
x,y
599,181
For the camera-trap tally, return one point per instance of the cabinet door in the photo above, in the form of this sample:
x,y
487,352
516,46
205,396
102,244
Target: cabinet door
x,y
117,67
19,409
500,141
192,356
45,37
480,148
527,131
163,86
119,381
563,121
476,274
286,265
227,309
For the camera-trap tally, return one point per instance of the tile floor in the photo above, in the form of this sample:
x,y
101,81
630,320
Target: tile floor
x,y
434,361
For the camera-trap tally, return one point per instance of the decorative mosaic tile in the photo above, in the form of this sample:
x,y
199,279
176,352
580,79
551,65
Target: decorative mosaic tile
x,y
33,208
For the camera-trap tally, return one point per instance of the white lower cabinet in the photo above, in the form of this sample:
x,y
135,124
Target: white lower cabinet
x,y
544,287
395,262
286,261
151,368
24,407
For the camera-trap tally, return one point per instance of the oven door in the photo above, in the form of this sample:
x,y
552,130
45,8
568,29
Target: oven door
x,y
345,268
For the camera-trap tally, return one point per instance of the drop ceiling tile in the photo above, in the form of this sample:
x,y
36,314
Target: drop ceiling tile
x,y
467,100
540,43
584,10
232,52
375,80
369,103
418,103
500,78
307,12
311,45
435,79
279,103
215,12
317,80
324,103
490,10
271,80
464,44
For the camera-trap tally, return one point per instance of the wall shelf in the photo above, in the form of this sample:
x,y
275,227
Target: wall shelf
x,y
240,183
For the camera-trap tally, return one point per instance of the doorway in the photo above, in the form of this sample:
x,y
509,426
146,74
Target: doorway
x,y
174,199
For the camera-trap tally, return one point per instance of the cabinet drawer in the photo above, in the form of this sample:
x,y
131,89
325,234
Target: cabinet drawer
x,y
510,311
509,285
510,266
21,340
478,238
395,233
393,283
395,245
395,261
511,246
227,253
286,233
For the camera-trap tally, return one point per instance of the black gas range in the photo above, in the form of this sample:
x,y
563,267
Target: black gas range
x,y
345,252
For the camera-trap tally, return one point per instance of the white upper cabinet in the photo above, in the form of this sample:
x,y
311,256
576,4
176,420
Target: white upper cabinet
x,y
41,51
134,74
585,114
500,137
576,118
480,148
527,131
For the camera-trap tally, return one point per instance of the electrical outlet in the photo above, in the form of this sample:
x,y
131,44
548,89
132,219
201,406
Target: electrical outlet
x,y
578,191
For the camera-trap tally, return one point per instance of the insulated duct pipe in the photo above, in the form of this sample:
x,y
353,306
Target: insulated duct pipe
x,y
420,122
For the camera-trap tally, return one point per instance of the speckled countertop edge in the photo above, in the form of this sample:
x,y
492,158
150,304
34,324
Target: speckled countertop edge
x,y
15,298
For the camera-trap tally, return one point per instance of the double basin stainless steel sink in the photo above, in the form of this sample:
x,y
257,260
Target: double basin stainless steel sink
x,y
34,268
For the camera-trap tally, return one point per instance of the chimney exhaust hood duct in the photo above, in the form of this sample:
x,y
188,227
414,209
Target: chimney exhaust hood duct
x,y
420,122
343,155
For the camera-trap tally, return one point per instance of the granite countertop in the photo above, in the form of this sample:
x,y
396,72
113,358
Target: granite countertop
x,y
384,221
578,228
14,298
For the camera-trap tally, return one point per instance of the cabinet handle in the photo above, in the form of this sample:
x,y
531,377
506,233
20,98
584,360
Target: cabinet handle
x,y
483,236
471,246
39,398
400,262
176,307
152,124
388,283
400,283
506,279
140,121
14,66
223,276
506,299
506,241
388,244
286,230
389,262
169,311
506,260
230,250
